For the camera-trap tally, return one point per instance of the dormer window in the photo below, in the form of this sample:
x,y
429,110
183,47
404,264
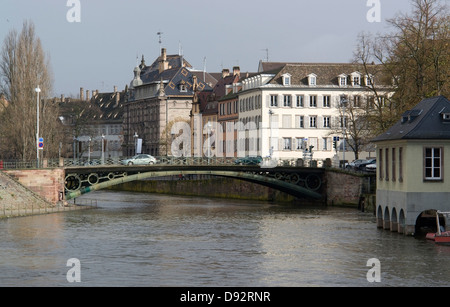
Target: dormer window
x,y
342,80
286,79
369,80
356,79
183,87
312,79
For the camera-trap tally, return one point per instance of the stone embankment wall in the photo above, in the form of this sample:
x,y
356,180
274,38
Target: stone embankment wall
x,y
211,187
344,188
48,183
14,196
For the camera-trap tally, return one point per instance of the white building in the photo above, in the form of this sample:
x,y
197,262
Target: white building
x,y
298,105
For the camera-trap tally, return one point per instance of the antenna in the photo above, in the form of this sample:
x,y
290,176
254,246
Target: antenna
x,y
267,54
204,69
160,38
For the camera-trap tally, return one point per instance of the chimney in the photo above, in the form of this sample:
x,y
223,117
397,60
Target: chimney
x,y
236,71
87,95
62,97
225,73
81,94
115,89
163,63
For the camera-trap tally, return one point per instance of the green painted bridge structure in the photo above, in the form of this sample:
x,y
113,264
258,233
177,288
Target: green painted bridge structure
x,y
301,182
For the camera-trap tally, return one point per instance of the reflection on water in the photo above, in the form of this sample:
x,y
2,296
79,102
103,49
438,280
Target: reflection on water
x,y
155,240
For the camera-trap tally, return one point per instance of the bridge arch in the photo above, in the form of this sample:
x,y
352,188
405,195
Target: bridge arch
x,y
287,187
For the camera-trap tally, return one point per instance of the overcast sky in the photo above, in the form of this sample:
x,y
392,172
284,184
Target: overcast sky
x,y
100,50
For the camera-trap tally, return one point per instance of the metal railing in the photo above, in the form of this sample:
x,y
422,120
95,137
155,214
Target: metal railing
x,y
164,160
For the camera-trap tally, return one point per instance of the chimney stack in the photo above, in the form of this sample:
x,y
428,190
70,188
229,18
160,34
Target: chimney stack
x,y
225,72
81,94
87,95
163,63
236,71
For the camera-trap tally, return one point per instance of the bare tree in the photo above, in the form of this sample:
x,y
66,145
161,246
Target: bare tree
x,y
415,58
23,67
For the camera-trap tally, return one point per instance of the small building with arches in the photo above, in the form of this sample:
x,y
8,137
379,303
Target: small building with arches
x,y
413,168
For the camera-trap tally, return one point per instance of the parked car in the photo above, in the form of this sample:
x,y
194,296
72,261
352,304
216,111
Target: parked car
x,y
249,161
371,167
141,159
354,164
363,166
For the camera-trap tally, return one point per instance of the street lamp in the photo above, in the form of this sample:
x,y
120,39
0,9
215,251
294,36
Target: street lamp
x,y
344,102
37,90
135,142
89,150
103,149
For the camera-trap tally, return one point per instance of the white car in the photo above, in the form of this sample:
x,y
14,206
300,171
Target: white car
x,y
142,159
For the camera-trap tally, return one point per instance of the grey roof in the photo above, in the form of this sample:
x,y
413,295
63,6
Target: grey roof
x,y
424,121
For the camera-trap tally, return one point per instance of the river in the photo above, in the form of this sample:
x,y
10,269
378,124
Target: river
x,y
158,240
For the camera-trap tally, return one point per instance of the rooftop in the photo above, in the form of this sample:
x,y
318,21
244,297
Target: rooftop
x,y
430,119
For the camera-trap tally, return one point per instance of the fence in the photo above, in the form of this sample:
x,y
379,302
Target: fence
x,y
25,210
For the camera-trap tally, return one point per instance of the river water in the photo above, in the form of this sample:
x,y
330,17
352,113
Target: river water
x,y
156,240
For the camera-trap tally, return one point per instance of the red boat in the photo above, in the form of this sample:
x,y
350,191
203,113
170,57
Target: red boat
x,y
439,237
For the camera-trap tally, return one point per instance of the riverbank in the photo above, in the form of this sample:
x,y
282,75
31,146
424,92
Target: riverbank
x,y
17,200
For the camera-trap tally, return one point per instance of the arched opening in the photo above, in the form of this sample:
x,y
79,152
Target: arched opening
x,y
426,222
379,217
386,219
401,221
394,221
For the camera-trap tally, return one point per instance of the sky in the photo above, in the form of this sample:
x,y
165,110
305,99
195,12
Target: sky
x,y
95,44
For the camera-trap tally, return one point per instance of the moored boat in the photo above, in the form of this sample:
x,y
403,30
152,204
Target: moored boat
x,y
441,236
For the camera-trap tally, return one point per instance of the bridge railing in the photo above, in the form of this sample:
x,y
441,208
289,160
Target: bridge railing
x,y
161,160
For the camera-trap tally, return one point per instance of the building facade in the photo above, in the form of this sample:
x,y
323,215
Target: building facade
x,y
413,168
294,110
160,95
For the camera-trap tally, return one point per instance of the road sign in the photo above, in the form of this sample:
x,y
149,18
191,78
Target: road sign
x,y
41,143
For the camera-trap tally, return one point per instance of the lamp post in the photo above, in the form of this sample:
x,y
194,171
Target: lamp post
x,y
103,149
344,124
135,136
37,90
89,151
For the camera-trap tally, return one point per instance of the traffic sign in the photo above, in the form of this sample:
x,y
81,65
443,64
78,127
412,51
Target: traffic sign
x,y
41,143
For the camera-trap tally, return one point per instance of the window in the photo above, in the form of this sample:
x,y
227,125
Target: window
x,y
301,144
273,100
326,101
287,143
300,121
356,78
394,173
326,121
342,80
313,101
433,163
387,164
325,144
369,80
400,164
287,100
357,101
312,80
286,79
300,99
313,122
380,167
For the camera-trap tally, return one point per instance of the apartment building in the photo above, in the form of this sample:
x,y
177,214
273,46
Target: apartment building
x,y
293,110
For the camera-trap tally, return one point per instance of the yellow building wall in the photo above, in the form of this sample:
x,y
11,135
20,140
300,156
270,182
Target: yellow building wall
x,y
413,166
